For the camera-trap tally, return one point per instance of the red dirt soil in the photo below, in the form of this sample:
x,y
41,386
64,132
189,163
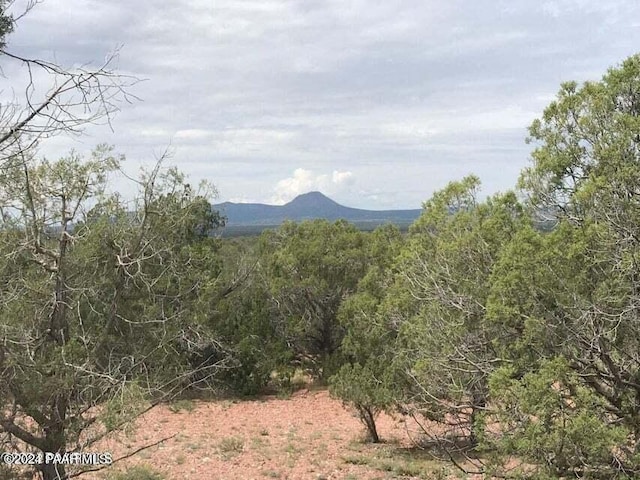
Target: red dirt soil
x,y
307,436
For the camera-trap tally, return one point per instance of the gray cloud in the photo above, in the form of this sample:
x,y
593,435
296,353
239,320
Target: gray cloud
x,y
405,95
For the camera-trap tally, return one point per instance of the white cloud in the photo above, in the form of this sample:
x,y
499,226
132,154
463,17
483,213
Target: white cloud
x,y
342,178
303,181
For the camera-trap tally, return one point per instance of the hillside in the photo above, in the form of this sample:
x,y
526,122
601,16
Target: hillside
x,y
308,206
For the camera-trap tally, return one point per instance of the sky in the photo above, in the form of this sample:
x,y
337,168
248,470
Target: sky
x,y
375,103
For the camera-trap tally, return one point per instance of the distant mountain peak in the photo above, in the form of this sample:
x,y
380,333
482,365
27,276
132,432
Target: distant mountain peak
x,y
309,206
313,194
312,199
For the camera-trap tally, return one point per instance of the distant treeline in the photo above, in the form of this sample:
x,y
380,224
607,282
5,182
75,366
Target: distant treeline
x,y
230,231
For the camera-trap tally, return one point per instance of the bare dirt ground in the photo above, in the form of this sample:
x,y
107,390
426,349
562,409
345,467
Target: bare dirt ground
x,y
307,436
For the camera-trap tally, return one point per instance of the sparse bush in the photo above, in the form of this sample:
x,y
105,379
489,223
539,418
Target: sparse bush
x,y
231,446
359,388
139,472
180,405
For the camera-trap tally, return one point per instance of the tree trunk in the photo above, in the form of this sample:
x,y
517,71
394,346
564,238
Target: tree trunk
x,y
369,419
56,439
53,472
479,402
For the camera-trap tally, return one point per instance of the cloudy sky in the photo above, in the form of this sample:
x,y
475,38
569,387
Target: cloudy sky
x,y
376,103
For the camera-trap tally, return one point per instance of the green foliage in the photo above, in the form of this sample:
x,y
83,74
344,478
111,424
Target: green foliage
x,y
558,296
564,304
241,319
549,420
443,334
358,387
123,408
587,145
101,300
244,325
309,270
366,381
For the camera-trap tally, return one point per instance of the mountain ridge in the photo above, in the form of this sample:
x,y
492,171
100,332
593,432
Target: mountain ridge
x,y
308,206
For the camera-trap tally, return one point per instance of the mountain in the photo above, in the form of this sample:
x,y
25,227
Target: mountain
x,y
310,206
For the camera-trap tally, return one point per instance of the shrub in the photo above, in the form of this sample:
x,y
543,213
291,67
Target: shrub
x,y
139,472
